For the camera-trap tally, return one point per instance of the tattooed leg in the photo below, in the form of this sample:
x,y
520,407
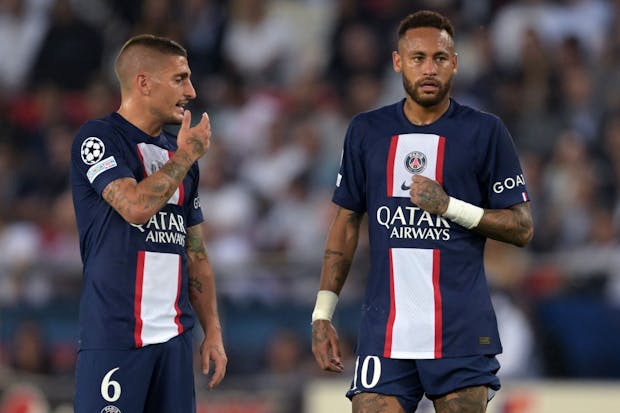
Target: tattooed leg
x,y
467,400
376,403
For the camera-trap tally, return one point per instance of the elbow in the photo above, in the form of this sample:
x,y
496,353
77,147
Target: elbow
x,y
525,237
137,217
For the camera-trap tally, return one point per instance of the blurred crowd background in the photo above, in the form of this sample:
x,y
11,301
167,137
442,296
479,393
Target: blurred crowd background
x,y
281,80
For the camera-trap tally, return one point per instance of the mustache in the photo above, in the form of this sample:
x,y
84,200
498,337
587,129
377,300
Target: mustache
x,y
428,81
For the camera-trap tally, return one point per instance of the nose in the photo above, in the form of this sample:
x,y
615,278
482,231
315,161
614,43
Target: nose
x,y
429,67
189,91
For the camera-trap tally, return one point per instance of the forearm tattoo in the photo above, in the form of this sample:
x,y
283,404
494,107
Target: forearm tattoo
x,y
513,225
338,263
153,192
195,284
116,197
195,246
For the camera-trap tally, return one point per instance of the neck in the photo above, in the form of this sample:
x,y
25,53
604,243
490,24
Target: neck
x,y
140,119
424,115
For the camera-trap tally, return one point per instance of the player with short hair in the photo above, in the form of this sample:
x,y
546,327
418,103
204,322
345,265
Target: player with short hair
x,y
146,270
436,179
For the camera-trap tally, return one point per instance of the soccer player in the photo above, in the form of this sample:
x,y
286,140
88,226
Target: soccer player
x,y
436,179
146,269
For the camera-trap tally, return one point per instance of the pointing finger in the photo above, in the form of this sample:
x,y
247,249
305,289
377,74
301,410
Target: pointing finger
x,y
187,119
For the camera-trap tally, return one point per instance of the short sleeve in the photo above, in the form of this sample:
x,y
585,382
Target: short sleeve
x,y
350,192
97,155
502,170
195,209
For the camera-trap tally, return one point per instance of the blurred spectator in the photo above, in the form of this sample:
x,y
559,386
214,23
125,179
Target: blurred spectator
x,y
257,45
71,52
204,22
29,352
23,24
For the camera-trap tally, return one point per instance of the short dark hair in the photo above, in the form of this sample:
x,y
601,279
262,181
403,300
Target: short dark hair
x,y
425,18
161,44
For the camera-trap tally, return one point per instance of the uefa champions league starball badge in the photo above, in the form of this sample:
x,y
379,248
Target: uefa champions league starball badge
x,y
92,150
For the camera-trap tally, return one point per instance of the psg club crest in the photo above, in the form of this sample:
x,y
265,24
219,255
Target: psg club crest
x,y
110,409
415,162
92,150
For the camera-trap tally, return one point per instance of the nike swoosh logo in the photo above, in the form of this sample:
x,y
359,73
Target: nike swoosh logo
x,y
404,187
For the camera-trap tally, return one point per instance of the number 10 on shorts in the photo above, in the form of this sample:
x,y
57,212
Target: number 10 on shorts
x,y
367,381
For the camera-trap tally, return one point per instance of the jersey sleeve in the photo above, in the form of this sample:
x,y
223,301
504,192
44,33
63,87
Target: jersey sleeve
x,y
350,192
195,210
96,155
502,172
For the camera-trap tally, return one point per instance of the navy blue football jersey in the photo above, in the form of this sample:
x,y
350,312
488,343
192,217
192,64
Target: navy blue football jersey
x,y
427,295
135,282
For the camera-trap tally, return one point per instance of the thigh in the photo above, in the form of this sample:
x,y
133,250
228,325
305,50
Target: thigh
x,y
385,385
442,377
172,385
374,403
467,400
112,381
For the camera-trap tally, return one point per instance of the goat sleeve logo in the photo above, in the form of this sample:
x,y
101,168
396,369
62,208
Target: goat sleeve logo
x,y
92,150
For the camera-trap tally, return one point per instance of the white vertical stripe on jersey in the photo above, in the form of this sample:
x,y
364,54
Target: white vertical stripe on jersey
x,y
402,145
414,325
161,283
153,158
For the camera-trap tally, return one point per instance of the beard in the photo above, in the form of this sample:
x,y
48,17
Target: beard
x,y
423,99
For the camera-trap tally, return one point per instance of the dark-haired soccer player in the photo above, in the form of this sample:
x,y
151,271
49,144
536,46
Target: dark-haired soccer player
x,y
145,264
436,179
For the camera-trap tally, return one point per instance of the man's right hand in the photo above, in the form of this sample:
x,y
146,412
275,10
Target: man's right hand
x,y
326,346
194,141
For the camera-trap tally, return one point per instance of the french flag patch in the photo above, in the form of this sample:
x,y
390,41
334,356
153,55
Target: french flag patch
x,y
525,197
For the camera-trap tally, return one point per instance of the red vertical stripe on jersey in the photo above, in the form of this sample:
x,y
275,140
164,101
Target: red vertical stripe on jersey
x,y
441,144
137,304
387,348
390,166
177,318
142,161
438,313
181,189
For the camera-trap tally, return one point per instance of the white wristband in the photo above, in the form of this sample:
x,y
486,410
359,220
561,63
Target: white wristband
x,y
463,213
325,305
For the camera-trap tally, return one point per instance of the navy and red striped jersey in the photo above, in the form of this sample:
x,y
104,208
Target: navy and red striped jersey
x,y
427,295
135,278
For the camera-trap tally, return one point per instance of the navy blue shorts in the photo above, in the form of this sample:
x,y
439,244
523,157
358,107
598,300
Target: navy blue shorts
x,y
410,380
157,378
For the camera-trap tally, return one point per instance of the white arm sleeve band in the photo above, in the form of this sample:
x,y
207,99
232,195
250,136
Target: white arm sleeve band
x,y
463,213
325,305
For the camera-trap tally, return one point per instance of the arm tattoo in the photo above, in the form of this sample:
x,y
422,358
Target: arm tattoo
x,y
354,218
195,284
329,253
340,270
116,197
513,225
152,193
195,246
175,170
